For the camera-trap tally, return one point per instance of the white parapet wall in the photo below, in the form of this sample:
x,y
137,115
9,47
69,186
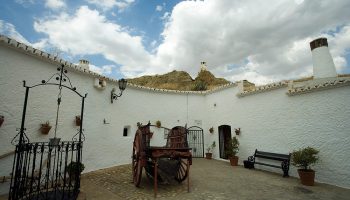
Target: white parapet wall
x,y
269,119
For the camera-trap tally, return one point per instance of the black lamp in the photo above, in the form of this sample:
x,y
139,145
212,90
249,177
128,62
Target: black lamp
x,y
122,85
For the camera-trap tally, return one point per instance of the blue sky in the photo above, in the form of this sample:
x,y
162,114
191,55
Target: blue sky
x,y
262,41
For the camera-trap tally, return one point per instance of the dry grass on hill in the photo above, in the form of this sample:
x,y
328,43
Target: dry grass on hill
x,y
180,80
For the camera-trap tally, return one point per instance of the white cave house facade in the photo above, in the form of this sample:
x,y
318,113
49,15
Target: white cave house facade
x,y
278,117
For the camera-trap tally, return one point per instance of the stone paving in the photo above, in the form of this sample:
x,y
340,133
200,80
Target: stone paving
x,y
209,179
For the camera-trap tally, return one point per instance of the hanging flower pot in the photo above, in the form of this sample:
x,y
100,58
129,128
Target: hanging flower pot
x,y
45,128
211,130
158,124
237,131
2,119
77,120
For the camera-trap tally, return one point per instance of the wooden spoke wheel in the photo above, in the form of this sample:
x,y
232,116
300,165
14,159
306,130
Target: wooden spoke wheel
x,y
136,159
181,173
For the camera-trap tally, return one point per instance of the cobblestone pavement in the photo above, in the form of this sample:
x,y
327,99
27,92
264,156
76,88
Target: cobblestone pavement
x,y
209,179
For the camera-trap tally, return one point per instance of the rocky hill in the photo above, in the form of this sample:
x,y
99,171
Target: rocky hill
x,y
180,80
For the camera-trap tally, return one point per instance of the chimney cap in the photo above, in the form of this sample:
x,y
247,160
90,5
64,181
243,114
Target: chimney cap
x,y
82,61
319,42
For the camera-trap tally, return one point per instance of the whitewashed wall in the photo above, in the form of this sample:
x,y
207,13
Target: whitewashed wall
x,y
270,121
105,145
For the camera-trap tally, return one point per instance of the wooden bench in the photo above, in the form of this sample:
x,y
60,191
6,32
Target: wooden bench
x,y
284,158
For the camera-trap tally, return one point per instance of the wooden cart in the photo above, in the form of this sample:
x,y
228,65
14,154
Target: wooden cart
x,y
175,157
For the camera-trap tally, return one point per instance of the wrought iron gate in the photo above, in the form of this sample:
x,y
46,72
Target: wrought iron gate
x,y
196,141
47,170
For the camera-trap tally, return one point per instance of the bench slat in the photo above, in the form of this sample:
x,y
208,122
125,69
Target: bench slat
x,y
271,157
274,155
268,165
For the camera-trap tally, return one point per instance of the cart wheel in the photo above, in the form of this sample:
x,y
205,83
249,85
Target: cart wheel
x,y
136,159
181,173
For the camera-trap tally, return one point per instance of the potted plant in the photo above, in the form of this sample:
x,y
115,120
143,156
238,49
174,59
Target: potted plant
x,y
237,131
77,120
210,149
158,124
232,148
211,130
2,119
45,128
304,158
74,168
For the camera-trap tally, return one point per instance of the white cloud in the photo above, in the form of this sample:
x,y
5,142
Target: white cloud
x,y
24,2
9,30
89,33
109,4
55,4
165,17
103,70
159,8
237,39
267,41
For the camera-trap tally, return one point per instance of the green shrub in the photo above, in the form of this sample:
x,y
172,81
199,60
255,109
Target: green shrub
x,y
211,147
232,147
199,86
73,166
305,157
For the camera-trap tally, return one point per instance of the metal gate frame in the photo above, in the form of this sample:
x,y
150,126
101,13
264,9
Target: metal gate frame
x,y
194,133
47,170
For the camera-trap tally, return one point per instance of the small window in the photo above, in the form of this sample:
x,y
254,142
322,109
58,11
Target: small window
x,y
126,131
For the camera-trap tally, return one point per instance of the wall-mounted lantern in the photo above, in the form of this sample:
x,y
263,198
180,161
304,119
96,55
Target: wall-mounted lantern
x,y
122,85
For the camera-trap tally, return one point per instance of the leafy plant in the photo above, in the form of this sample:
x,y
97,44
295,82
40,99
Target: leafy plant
x,y
305,157
158,124
211,129
232,147
74,166
211,147
47,124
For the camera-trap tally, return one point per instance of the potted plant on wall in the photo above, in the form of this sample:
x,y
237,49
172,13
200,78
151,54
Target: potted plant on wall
x,y
237,131
74,168
211,130
158,124
45,128
231,150
77,120
304,158
210,149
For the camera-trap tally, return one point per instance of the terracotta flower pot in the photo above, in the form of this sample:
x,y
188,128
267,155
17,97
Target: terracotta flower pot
x,y
45,129
208,155
77,121
234,161
307,177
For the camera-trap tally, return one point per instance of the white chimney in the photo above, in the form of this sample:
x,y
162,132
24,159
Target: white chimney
x,y
203,66
84,64
323,64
